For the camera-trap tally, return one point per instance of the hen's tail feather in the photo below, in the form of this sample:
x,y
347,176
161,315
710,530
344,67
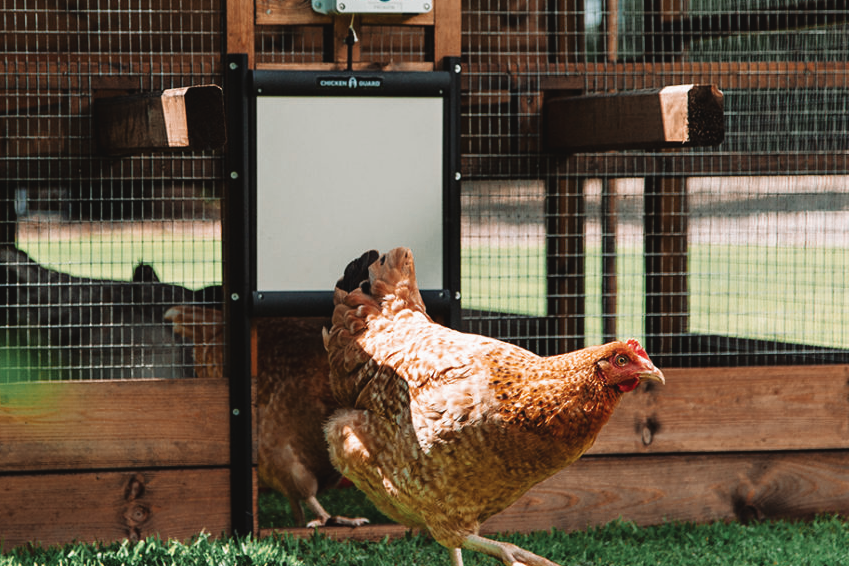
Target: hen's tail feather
x,y
357,271
379,276
372,287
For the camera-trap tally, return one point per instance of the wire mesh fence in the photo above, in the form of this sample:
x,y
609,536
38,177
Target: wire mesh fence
x,y
732,255
96,249
729,255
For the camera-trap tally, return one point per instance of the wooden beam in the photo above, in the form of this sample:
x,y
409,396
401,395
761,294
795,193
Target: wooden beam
x,y
740,409
617,165
417,66
674,116
300,13
656,489
114,424
177,119
112,506
806,14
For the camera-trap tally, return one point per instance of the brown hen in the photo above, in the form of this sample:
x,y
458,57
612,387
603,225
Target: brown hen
x,y
293,398
443,429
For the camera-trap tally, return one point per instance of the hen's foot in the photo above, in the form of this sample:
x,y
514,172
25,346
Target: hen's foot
x,y
338,522
509,554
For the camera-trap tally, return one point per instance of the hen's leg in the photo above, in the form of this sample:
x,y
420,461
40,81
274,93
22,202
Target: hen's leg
x,y
297,511
456,556
509,554
324,518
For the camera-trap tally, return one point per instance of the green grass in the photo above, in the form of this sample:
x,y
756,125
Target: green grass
x,y
789,294
821,542
190,262
274,509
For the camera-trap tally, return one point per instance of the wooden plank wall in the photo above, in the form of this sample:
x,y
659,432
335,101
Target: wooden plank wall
x,y
103,461
712,444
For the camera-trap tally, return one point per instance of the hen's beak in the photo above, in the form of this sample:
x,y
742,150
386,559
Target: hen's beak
x,y
652,373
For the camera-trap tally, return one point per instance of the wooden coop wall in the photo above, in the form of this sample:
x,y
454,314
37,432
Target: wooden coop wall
x,y
98,441
762,434
747,427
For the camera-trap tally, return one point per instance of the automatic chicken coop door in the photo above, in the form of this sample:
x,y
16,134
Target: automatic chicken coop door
x,y
339,163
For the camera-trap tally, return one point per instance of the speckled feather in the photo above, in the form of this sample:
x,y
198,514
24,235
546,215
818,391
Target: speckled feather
x,y
443,429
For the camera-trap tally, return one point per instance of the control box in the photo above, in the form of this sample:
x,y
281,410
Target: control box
x,y
372,6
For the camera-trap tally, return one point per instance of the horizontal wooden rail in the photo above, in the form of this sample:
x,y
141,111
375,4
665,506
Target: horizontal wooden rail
x,y
684,164
733,410
107,506
114,424
649,490
299,13
698,488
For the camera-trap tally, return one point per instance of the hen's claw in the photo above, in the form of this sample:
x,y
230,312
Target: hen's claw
x,y
508,554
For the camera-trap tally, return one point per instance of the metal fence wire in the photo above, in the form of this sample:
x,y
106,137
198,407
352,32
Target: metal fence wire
x,y
746,265
96,249
760,220
729,255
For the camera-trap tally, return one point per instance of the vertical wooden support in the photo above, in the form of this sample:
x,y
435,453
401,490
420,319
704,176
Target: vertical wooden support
x,y
565,221
447,36
666,264
567,39
609,292
612,26
240,28
669,44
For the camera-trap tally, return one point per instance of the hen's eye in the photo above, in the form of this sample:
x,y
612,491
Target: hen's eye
x,y
622,360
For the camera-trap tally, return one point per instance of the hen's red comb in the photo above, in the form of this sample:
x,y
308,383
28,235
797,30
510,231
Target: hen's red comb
x,y
637,348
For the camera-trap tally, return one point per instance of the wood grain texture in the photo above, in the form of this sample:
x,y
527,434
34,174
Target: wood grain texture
x,y
240,29
112,506
698,487
447,33
115,424
733,410
656,489
177,119
416,66
366,532
673,116
300,13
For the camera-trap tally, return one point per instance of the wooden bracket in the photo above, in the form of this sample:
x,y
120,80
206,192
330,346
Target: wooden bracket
x,y
673,116
178,119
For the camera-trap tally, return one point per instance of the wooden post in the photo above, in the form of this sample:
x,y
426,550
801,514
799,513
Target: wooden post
x,y
447,27
177,119
565,259
609,292
240,28
567,38
673,116
612,30
666,264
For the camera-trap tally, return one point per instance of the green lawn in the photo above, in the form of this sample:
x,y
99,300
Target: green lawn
x,y
821,542
191,262
788,294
